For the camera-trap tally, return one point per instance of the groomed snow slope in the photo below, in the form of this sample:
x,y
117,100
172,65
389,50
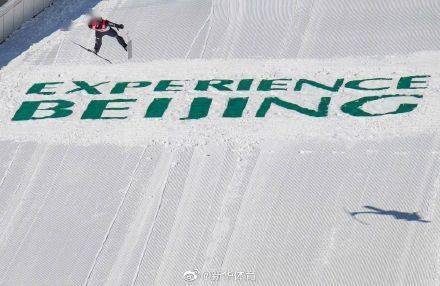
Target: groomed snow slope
x,y
142,201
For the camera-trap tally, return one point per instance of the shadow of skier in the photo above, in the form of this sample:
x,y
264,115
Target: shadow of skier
x,y
406,216
59,16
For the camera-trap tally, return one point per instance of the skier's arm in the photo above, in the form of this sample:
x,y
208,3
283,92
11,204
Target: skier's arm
x,y
118,26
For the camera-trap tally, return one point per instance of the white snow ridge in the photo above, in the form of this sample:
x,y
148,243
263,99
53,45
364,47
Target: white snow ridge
x,y
246,142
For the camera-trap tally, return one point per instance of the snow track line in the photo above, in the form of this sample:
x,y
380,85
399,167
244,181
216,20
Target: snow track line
x,y
427,175
208,33
114,218
156,213
27,187
35,217
208,19
10,165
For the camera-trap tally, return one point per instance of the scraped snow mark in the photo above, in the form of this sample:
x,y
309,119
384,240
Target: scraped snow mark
x,y
206,25
115,217
136,207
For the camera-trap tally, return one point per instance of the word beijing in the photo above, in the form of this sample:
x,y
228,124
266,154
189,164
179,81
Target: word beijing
x,y
51,106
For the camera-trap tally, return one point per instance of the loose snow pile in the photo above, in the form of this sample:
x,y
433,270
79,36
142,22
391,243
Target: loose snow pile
x,y
280,122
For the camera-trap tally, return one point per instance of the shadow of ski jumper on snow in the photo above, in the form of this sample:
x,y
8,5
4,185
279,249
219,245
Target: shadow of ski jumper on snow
x,y
398,215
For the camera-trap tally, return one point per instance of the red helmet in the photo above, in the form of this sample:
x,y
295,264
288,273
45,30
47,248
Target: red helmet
x,y
94,22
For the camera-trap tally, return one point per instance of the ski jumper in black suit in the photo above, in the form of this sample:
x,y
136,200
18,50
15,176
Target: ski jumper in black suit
x,y
105,28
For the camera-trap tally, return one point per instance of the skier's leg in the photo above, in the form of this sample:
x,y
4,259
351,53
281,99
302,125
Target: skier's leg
x,y
121,41
98,41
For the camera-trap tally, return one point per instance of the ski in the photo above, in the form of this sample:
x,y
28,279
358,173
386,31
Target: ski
x,y
130,49
129,43
93,52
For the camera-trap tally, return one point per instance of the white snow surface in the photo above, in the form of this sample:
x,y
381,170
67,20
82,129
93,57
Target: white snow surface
x,y
142,201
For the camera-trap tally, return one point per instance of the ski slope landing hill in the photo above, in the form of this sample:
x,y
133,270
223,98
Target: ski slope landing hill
x,y
245,142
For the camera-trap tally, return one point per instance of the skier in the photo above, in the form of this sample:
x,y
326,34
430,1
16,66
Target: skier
x,y
103,28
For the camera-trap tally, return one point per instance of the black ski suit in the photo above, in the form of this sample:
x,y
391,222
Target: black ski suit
x,y
100,31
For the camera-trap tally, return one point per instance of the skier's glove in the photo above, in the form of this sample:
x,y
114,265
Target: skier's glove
x,y
119,26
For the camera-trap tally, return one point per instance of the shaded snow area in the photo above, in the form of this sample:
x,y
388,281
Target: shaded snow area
x,y
148,176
